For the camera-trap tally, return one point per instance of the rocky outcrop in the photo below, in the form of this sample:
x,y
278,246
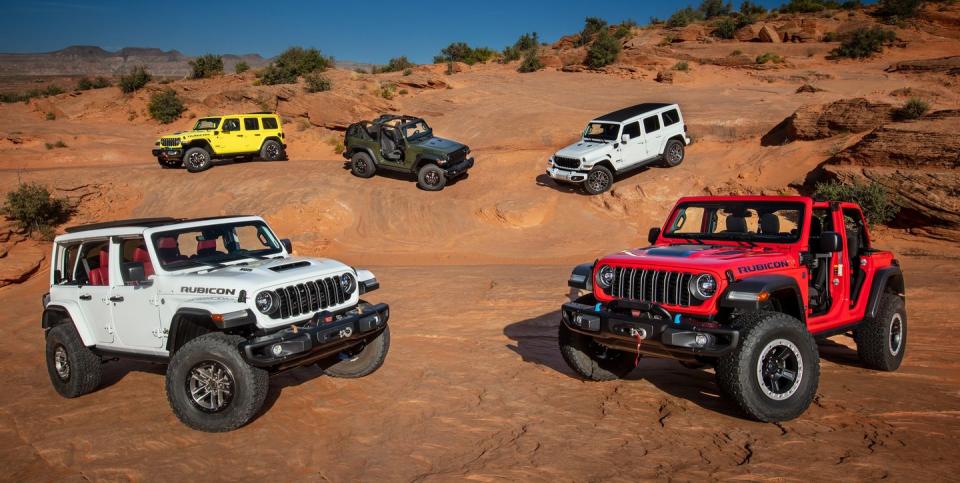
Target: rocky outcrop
x,y
818,122
768,34
690,33
947,65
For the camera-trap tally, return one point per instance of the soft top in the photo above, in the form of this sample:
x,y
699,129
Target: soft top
x,y
632,111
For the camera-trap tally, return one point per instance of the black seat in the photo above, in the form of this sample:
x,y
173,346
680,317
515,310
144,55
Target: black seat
x,y
736,224
769,224
388,145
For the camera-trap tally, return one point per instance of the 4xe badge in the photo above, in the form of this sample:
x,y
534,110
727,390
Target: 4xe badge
x,y
209,290
761,267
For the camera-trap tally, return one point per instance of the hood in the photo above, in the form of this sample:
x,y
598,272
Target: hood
x,y
714,258
258,274
187,134
586,149
439,145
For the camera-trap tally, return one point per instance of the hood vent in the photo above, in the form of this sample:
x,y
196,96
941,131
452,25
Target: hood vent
x,y
290,266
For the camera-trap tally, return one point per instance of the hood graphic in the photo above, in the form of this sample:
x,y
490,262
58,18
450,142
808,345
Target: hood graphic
x,y
586,149
255,275
717,258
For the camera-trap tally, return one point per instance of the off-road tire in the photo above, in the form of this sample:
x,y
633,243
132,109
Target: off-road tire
x,y
197,160
877,343
362,166
80,369
248,384
170,163
599,180
363,363
431,178
271,150
592,361
739,372
673,153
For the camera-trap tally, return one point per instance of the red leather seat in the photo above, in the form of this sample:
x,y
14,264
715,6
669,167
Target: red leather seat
x,y
101,274
141,255
206,247
168,250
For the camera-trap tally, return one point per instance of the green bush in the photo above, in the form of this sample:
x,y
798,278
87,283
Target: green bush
x,y
206,66
714,8
50,90
33,209
293,63
752,9
531,62
808,6
603,51
624,28
591,26
134,80
912,109
461,52
684,17
896,10
317,83
863,43
725,28
769,57
388,90
520,47
878,205
450,70
395,64
682,66
50,116
241,67
86,84
57,145
165,106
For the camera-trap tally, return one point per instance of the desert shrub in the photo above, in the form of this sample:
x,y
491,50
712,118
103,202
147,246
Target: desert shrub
x,y
336,143
531,61
165,106
684,17
407,71
461,52
360,70
293,63
525,43
206,66
403,92
878,205
33,208
736,52
603,51
317,83
50,116
388,90
863,43
654,21
450,70
751,9
682,66
667,40
134,80
86,83
57,145
725,28
896,10
769,57
52,90
591,26
624,28
395,64
241,67
808,6
912,109
714,8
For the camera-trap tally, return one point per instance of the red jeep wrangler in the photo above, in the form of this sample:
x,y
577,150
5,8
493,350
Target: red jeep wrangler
x,y
742,283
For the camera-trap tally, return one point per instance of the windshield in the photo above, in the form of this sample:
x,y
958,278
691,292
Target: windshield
x,y
758,221
602,131
214,244
415,130
206,124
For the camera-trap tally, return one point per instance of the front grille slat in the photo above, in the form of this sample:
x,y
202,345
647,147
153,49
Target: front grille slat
x,y
170,142
568,163
656,286
309,296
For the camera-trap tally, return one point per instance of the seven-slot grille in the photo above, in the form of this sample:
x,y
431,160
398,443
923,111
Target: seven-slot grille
x,y
458,156
309,296
657,286
568,163
170,142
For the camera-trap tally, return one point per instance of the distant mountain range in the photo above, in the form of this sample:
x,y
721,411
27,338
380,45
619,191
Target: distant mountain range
x,y
93,60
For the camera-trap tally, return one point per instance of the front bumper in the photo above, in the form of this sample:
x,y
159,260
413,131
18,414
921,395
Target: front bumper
x,y
566,175
459,168
618,323
325,334
168,153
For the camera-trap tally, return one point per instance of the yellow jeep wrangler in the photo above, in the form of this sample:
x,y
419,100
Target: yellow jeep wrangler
x,y
234,136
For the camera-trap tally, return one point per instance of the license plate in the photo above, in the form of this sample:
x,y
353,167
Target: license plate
x,y
171,151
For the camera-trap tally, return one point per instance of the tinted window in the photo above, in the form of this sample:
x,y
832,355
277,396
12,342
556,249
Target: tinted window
x,y
754,221
651,124
214,244
231,125
670,117
269,123
251,124
633,129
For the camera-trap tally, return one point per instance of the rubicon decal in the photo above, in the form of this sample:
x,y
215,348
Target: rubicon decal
x,y
760,267
209,290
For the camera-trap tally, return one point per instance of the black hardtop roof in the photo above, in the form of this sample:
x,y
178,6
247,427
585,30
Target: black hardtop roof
x,y
632,111
142,222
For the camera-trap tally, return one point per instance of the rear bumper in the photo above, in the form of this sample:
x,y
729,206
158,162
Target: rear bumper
x,y
459,168
325,334
663,334
566,175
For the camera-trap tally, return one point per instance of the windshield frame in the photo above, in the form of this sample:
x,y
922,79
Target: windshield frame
x,y
196,125
616,136
752,238
428,133
219,260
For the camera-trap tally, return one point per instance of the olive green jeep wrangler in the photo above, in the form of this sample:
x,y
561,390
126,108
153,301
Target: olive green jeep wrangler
x,y
404,144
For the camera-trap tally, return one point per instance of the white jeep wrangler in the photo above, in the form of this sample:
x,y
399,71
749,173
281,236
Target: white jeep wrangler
x,y
622,140
221,301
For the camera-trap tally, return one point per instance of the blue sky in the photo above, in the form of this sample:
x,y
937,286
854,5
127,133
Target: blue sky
x,y
366,31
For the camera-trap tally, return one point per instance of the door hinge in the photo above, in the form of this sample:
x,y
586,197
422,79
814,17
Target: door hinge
x,y
156,301
160,333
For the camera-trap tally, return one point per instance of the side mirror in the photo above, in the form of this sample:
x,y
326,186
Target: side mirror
x,y
133,272
653,236
287,245
830,242
216,133
625,138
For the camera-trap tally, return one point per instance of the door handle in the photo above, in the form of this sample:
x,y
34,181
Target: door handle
x,y
86,297
116,298
239,135
257,134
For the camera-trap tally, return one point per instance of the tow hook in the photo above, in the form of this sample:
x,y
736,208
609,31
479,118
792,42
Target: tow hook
x,y
641,333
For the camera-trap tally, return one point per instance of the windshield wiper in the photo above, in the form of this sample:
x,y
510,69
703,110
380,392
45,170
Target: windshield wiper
x,y
685,236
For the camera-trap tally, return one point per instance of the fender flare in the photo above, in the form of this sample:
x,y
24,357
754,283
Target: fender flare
x,y
199,143
53,315
743,294
582,277
425,158
189,322
271,138
366,281
885,277
353,150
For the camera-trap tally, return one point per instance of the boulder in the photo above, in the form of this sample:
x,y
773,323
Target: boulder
x,y
768,34
749,33
573,56
552,61
819,122
690,33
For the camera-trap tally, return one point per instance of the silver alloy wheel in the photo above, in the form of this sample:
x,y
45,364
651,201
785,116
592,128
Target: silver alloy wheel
x,y
598,180
896,334
61,363
197,159
675,154
432,178
272,151
779,369
210,385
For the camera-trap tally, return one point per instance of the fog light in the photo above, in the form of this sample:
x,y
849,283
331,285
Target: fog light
x,y
276,349
701,340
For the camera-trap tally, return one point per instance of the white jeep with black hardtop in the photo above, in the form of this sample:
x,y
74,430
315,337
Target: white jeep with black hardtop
x,y
620,141
221,301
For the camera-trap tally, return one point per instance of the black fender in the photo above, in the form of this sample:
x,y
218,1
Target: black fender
x,y
53,316
200,143
271,138
678,137
885,278
582,276
425,158
350,151
606,163
189,323
744,294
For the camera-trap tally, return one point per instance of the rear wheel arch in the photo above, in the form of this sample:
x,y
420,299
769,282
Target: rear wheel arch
x,y
55,315
885,280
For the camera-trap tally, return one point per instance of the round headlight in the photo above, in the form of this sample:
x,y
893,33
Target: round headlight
x,y
347,283
703,286
605,276
266,302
